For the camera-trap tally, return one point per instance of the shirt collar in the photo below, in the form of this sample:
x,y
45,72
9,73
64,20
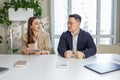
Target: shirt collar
x,y
76,34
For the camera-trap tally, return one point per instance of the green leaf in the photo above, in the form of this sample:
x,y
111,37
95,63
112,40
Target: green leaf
x,y
8,23
0,41
1,37
15,50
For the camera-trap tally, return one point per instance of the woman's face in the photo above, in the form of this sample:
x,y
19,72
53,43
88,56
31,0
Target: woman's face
x,y
36,25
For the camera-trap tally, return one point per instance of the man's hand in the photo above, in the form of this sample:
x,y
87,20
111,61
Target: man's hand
x,y
79,55
68,54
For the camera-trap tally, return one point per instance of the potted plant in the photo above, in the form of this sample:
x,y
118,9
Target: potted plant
x,y
16,4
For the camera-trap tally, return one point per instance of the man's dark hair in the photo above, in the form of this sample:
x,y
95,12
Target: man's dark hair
x,y
76,16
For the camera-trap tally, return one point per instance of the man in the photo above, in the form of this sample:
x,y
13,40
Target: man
x,y
76,42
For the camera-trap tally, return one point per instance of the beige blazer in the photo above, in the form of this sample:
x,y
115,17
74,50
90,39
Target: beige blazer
x,y
44,42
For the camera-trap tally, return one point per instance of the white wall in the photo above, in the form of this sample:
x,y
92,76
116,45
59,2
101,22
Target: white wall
x,y
2,33
118,22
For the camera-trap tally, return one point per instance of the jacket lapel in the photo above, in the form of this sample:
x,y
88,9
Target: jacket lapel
x,y
79,41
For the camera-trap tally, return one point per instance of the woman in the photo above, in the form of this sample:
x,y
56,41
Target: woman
x,y
35,41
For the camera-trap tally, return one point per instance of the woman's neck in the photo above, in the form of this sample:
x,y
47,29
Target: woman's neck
x,y
35,34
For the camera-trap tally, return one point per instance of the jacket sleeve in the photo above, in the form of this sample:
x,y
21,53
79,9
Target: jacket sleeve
x,y
90,46
47,45
62,45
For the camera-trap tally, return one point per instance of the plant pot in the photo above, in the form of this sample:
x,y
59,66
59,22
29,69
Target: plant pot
x,y
20,15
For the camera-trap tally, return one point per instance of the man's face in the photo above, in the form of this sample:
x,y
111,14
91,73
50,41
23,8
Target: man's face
x,y
73,24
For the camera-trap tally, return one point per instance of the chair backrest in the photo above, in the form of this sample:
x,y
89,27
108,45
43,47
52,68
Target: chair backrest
x,y
108,49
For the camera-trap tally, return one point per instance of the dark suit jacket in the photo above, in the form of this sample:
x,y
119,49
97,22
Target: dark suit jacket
x,y
85,43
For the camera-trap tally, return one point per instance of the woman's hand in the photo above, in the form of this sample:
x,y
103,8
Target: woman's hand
x,y
27,51
37,52
44,52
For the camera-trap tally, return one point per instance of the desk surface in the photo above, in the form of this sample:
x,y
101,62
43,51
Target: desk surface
x,y
48,67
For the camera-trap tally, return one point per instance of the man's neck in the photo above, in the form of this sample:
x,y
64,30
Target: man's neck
x,y
75,32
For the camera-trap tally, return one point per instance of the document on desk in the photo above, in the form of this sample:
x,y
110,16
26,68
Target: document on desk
x,y
20,63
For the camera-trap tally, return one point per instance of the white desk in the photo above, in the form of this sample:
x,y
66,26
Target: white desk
x,y
45,67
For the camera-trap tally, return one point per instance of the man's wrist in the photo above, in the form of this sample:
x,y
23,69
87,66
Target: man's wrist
x,y
65,53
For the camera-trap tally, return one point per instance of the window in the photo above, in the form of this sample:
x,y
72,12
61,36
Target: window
x,y
87,11
60,17
97,18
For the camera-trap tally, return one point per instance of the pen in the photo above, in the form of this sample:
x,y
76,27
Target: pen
x,y
63,64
